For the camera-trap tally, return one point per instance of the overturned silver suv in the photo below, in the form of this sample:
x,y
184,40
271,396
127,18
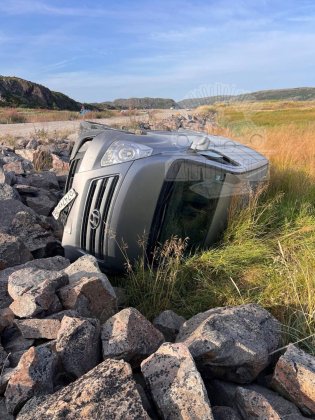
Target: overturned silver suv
x,y
123,187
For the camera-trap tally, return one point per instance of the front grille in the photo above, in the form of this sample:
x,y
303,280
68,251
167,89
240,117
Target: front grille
x,y
95,216
76,162
74,167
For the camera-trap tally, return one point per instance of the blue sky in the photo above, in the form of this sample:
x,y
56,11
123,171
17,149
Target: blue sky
x,y
101,50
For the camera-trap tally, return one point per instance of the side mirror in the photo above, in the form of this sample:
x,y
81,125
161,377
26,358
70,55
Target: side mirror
x,y
200,143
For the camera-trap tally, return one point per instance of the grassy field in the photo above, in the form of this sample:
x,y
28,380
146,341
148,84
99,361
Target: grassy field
x,y
22,115
267,254
262,114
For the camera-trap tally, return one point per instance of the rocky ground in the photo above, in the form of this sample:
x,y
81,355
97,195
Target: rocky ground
x,y
71,350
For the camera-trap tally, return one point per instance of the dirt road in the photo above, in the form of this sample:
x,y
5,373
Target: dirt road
x,y
30,129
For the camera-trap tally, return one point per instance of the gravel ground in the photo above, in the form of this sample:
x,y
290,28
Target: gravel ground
x,y
29,129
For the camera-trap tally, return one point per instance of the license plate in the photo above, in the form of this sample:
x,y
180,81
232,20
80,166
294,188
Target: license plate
x,y
64,202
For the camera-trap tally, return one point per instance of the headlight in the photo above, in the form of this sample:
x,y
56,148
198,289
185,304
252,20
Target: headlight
x,y
124,151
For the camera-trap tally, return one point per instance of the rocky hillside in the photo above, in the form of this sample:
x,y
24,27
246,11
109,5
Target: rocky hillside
x,y
16,92
140,103
295,94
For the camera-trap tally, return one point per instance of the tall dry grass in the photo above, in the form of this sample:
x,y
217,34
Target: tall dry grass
x,y
288,146
20,115
11,116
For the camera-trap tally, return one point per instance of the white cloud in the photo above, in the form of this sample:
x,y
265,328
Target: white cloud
x,y
185,33
20,7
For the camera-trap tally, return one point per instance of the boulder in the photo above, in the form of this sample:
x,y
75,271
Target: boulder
x,y
54,263
46,180
67,312
54,226
43,202
13,340
7,154
8,211
21,221
108,391
224,413
90,294
84,266
25,190
31,230
25,279
12,251
4,415
34,291
7,177
169,323
89,291
38,328
33,377
15,344
252,401
78,345
260,403
294,378
221,393
41,299
232,343
27,154
8,193
175,383
6,318
130,336
59,165
16,166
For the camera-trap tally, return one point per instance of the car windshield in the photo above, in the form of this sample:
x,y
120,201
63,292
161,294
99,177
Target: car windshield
x,y
188,203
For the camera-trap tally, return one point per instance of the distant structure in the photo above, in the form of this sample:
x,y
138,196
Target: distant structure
x,y
84,111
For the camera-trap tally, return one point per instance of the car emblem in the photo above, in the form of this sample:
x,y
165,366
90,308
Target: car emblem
x,y
95,219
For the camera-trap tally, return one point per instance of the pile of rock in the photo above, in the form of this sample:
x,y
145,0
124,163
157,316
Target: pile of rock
x,y
27,154
190,121
175,122
67,352
27,199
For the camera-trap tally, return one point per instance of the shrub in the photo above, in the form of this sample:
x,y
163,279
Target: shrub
x,y
42,160
152,285
12,116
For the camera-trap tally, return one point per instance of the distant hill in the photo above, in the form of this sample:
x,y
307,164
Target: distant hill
x,y
141,103
294,94
16,92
